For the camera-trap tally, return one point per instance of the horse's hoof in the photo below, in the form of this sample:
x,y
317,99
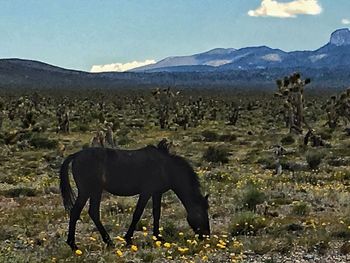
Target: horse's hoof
x,y
72,245
110,244
128,242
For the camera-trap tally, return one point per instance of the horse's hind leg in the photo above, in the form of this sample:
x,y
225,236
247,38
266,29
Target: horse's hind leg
x,y
156,202
94,212
74,216
141,203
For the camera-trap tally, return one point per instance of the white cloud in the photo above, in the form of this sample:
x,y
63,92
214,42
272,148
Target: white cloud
x,y
345,21
120,67
287,9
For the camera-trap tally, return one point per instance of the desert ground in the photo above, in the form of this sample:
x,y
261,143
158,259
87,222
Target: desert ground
x,y
264,207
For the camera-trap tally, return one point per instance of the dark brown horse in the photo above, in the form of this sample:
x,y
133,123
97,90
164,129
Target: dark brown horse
x,y
147,172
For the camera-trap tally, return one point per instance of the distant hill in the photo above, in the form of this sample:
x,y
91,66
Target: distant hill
x,y
328,66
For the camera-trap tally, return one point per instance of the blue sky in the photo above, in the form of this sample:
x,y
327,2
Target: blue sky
x,y
80,34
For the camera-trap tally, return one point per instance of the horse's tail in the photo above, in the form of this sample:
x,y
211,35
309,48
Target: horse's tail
x,y
67,192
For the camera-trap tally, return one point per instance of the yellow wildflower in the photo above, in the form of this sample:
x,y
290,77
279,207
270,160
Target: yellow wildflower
x,y
182,250
120,239
78,252
221,246
134,248
119,253
158,243
167,245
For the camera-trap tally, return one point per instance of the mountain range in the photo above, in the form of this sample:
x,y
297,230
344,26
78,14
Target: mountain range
x,y
328,66
336,53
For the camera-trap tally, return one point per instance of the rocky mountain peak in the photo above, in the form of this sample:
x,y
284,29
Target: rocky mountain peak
x,y
340,37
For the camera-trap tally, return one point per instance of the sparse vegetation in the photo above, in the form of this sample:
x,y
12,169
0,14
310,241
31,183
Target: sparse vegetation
x,y
254,213
216,154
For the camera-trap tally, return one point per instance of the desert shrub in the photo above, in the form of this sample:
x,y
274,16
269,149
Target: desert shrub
x,y
124,140
20,191
285,246
170,231
261,246
314,158
288,139
216,155
148,256
252,197
336,161
227,137
2,138
123,132
268,162
345,248
300,209
42,142
325,135
222,177
82,127
246,223
210,136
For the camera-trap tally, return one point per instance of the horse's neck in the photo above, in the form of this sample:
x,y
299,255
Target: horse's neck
x,y
188,196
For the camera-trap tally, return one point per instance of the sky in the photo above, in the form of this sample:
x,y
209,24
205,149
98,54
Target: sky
x,y
117,35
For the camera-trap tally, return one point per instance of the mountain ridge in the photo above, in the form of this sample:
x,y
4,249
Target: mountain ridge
x,y
260,66
259,57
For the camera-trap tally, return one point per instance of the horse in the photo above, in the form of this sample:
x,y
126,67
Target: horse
x,y
148,172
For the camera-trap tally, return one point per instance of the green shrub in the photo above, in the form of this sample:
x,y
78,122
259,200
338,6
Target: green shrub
x,y
314,158
20,191
288,139
227,137
210,136
124,140
41,142
252,197
82,127
216,155
170,231
246,223
300,208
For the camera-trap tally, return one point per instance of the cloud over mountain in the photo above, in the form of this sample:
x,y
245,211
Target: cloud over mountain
x,y
345,21
273,8
120,67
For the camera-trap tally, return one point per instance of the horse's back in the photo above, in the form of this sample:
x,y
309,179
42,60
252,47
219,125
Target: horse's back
x,y
122,172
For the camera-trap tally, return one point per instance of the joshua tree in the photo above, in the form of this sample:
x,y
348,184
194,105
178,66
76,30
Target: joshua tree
x,y
338,109
63,122
291,89
332,112
164,99
234,114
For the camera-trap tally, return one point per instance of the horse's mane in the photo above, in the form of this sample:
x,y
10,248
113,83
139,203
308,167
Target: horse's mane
x,y
182,162
164,146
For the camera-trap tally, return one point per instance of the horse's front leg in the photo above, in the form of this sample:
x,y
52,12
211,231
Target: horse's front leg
x,y
156,202
141,203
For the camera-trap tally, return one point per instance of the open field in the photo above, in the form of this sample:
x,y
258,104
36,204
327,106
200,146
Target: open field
x,y
255,215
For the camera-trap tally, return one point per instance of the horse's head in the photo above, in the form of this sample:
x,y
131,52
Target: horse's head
x,y
197,217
